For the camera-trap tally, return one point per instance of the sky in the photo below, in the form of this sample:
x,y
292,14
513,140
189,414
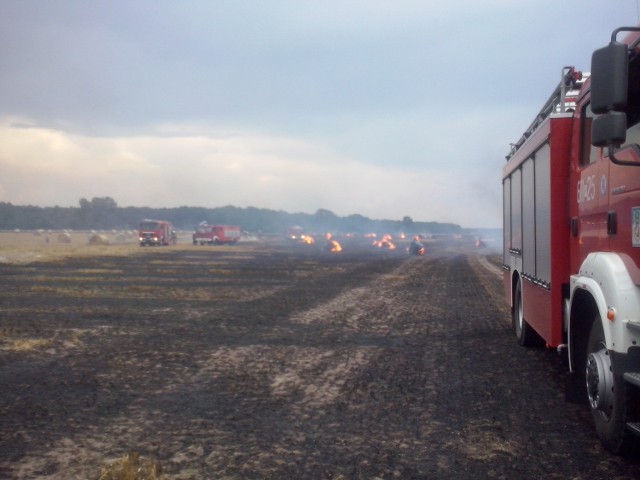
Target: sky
x,y
378,108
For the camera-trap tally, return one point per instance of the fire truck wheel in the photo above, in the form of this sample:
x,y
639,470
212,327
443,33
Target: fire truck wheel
x,y
609,399
526,336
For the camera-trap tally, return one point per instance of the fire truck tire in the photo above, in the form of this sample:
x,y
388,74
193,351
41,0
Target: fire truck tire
x,y
610,399
525,335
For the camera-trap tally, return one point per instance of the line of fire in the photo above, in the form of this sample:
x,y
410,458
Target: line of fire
x,y
162,233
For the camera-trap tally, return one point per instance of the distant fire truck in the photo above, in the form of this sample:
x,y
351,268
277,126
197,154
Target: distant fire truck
x,y
156,233
571,254
215,234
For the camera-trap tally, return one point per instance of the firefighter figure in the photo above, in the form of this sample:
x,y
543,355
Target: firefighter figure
x,y
416,247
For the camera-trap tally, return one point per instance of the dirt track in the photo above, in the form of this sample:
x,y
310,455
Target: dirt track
x,y
281,361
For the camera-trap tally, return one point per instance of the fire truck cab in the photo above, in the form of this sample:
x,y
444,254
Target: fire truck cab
x,y
156,233
571,256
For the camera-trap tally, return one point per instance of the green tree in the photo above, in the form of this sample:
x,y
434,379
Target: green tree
x,y
100,212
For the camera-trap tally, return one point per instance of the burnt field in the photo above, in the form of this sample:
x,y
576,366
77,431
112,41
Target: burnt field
x,y
274,360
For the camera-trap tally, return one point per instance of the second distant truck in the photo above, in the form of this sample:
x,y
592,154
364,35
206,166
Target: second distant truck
x,y
206,234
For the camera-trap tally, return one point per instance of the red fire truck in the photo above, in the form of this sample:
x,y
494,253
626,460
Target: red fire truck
x,y
215,234
571,253
156,233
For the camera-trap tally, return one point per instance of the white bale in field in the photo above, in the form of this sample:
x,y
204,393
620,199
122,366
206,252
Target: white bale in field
x,y
64,238
97,239
121,238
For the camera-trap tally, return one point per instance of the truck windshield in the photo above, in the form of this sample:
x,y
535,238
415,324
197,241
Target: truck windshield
x,y
633,102
149,226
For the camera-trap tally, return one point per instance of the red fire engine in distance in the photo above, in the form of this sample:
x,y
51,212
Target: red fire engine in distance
x,y
156,233
206,234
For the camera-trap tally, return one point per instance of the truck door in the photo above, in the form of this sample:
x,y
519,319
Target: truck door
x,y
624,196
591,195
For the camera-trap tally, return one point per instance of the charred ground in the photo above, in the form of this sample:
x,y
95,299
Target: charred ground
x,y
281,361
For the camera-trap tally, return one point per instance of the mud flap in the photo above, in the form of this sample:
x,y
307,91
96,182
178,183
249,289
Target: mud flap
x,y
575,390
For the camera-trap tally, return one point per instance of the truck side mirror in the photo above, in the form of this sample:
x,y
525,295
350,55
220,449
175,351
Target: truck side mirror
x,y
609,74
609,129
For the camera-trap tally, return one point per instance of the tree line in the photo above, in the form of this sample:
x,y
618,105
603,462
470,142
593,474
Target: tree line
x,y
103,213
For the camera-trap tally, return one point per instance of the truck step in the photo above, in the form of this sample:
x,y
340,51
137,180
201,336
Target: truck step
x,y
634,427
633,378
632,325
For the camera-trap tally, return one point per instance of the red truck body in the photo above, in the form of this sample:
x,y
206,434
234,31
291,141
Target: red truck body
x,y
571,252
156,233
206,234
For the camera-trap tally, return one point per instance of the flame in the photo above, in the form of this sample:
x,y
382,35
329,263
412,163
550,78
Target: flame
x,y
332,244
307,239
385,242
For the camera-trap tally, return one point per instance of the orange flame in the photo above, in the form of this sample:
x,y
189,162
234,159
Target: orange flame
x,y
385,242
334,246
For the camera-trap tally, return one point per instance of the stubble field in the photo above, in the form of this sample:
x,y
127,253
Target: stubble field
x,y
270,359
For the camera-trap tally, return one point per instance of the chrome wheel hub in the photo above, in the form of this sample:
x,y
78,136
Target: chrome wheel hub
x,y
600,382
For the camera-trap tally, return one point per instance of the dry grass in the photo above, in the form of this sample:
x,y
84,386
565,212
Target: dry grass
x,y
28,344
8,342
33,246
71,338
131,467
37,246
44,245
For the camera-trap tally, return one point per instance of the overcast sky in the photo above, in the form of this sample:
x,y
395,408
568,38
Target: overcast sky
x,y
378,108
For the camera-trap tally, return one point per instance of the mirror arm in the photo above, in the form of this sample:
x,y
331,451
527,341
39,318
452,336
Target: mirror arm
x,y
614,34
